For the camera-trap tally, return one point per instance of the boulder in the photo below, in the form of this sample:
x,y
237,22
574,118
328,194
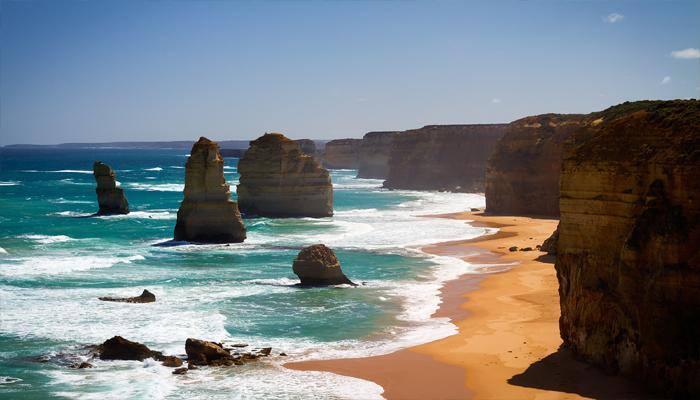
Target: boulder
x,y
628,254
110,197
442,157
145,297
202,352
207,214
171,361
180,371
317,265
118,348
278,180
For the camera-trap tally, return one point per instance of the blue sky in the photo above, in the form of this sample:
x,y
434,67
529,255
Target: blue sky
x,y
174,70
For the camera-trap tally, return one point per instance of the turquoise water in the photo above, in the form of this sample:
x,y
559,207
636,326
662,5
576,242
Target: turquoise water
x,y
55,261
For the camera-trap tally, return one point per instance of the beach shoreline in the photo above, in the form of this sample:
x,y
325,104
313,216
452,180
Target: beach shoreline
x,y
507,345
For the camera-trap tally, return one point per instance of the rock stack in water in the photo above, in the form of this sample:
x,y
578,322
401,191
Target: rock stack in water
x,y
317,265
373,159
342,154
110,198
628,259
207,214
278,180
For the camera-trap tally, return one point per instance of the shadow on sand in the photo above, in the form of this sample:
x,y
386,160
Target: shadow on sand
x,y
562,372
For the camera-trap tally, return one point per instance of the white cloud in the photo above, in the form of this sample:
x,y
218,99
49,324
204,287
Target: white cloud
x,y
495,101
666,80
614,17
686,53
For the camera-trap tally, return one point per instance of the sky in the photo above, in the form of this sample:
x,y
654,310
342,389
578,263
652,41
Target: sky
x,y
79,71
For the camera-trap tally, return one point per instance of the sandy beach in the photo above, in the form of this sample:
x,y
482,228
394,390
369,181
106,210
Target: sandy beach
x,y
508,345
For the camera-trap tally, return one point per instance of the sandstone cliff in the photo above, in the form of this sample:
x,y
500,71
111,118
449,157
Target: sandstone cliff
x,y
342,154
110,198
373,160
207,214
442,157
278,180
522,174
628,259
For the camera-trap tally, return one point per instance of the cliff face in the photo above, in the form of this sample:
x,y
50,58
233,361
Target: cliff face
x,y
207,214
442,157
278,180
373,160
628,257
522,174
110,198
342,154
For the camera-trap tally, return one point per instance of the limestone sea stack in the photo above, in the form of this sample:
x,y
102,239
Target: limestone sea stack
x,y
110,197
278,180
442,157
207,214
373,160
628,257
342,154
318,265
522,174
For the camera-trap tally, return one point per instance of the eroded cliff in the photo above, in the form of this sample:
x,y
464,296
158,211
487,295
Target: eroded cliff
x,y
373,160
342,154
278,180
628,257
442,157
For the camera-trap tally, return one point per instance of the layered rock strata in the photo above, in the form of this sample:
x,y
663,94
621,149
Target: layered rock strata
x,y
110,197
522,174
342,154
442,157
207,214
318,265
373,160
628,260
278,180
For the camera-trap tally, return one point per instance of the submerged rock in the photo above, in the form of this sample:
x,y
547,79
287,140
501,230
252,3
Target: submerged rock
x,y
171,361
110,197
317,265
180,371
278,180
207,214
202,352
118,348
145,297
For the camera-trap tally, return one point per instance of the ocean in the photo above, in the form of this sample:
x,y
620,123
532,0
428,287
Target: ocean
x,y
56,260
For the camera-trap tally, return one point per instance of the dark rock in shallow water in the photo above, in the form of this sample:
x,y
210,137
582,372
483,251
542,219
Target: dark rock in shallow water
x,y
207,214
202,352
145,297
118,348
180,371
317,265
171,361
110,198
82,365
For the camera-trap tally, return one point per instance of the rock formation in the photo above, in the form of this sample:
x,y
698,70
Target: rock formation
x,y
628,260
118,348
550,244
207,214
373,161
442,157
110,198
202,352
522,174
145,297
317,265
307,146
342,154
278,180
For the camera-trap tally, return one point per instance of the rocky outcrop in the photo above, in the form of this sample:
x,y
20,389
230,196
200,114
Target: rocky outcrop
x,y
442,157
110,197
373,160
307,146
118,348
522,174
628,260
317,265
202,352
278,180
144,297
207,214
550,244
342,154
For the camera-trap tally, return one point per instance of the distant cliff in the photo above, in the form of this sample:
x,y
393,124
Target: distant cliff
x,y
342,154
442,157
628,257
522,174
373,160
